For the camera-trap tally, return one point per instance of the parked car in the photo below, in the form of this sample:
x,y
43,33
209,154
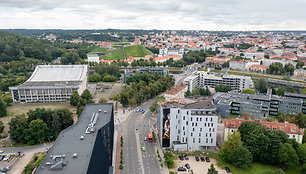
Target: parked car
x,y
143,148
1,157
227,170
7,157
207,159
145,138
4,169
197,158
182,169
202,159
1,151
181,157
187,166
18,154
186,157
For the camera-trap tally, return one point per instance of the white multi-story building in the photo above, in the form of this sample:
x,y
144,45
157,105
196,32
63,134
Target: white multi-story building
x,y
210,80
170,52
187,125
242,65
93,58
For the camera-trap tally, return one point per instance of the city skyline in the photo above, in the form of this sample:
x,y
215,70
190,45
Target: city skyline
x,y
224,15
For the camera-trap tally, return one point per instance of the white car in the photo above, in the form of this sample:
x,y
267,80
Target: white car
x,y
1,151
145,138
7,157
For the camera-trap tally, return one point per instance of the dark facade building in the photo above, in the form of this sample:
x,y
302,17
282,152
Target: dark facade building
x,y
85,147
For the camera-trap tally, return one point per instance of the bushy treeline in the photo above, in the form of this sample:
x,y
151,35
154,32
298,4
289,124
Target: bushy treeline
x,y
260,144
39,125
143,87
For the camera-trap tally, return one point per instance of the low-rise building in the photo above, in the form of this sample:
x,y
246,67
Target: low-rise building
x,y
86,146
210,80
300,74
176,92
157,70
187,125
242,65
51,83
93,58
165,58
170,52
231,126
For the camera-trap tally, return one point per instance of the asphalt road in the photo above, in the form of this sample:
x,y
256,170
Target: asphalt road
x,y
135,160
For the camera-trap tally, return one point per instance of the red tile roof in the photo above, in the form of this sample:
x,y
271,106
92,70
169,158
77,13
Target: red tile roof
x,y
176,89
288,128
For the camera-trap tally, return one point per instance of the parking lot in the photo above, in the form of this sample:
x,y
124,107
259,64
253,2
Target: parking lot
x,y
198,167
7,161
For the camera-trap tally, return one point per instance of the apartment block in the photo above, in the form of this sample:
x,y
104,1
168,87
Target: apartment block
x,y
187,124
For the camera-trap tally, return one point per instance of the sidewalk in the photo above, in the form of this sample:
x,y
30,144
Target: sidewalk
x,y
118,156
164,169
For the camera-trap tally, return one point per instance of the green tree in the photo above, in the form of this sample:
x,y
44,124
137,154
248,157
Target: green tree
x,y
3,110
304,169
37,132
94,77
303,91
233,141
223,88
241,157
1,127
267,56
86,95
249,91
109,78
103,100
289,88
261,85
301,152
70,57
187,93
18,125
169,159
280,91
212,170
74,98
287,155
299,64
289,68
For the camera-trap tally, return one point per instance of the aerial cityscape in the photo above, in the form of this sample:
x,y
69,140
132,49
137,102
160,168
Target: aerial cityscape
x,y
163,87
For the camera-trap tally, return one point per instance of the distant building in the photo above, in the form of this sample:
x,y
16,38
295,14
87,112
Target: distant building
x,y
210,80
170,52
93,58
258,68
158,70
86,146
257,105
300,74
51,83
242,65
176,92
127,74
165,58
283,83
231,126
187,125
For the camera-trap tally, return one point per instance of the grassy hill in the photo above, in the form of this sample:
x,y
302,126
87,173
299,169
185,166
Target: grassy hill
x,y
134,51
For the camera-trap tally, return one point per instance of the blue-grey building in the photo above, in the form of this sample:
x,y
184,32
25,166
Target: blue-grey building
x,y
257,105
85,147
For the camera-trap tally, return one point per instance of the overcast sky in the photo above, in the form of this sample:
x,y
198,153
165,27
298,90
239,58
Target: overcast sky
x,y
157,14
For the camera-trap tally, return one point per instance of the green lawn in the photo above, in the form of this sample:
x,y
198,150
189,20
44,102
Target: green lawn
x,y
256,169
254,75
134,51
98,50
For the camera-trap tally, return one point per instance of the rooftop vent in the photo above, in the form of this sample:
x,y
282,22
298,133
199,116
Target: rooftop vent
x,y
74,155
82,137
105,112
100,110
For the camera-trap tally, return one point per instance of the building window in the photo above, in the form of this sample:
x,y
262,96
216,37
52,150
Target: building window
x,y
206,118
191,118
212,124
206,134
199,140
184,118
192,124
213,129
187,112
208,124
178,111
183,128
199,134
210,119
209,129
197,119
196,124
205,124
209,134
193,140
192,129
206,140
211,140
178,121
178,138
232,130
200,129
183,140
186,122
191,134
184,133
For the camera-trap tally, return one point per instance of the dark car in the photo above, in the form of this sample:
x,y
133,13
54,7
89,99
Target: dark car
x,y
187,166
227,170
207,159
202,159
181,157
182,169
1,157
4,169
197,158
186,157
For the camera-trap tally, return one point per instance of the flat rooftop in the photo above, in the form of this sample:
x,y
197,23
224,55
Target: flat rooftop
x,y
69,142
